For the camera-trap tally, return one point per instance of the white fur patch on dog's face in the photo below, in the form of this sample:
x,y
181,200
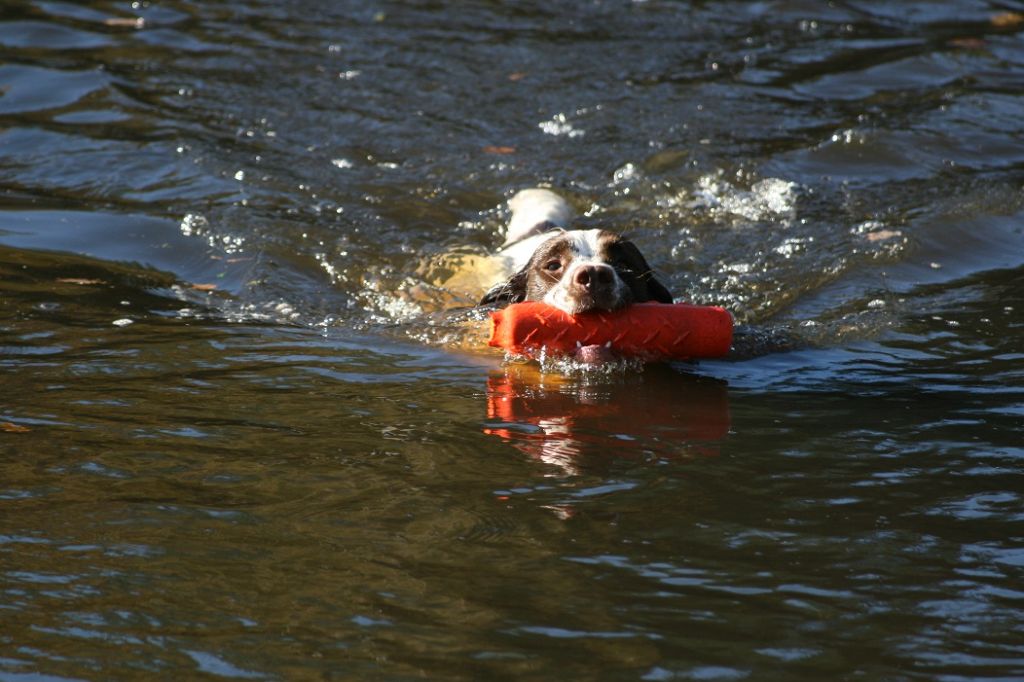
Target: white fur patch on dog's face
x,y
585,243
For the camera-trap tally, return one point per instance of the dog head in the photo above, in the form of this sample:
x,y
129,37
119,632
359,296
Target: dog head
x,y
580,271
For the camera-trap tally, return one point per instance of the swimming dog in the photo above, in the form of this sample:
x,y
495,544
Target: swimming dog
x,y
578,271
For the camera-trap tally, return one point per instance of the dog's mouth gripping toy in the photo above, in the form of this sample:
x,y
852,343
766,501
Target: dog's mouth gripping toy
x,y
647,331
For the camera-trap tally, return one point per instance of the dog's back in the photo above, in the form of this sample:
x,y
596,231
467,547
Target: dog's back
x,y
535,211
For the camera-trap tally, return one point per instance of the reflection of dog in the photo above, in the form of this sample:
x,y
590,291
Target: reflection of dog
x,y
575,270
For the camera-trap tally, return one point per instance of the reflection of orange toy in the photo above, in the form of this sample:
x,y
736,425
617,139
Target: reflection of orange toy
x,y
558,420
652,331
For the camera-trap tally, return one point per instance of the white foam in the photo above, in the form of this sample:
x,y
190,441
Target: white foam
x,y
560,125
771,198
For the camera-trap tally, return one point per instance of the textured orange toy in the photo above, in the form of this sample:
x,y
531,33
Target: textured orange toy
x,y
651,331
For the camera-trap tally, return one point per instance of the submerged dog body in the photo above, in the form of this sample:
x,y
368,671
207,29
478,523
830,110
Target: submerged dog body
x,y
574,270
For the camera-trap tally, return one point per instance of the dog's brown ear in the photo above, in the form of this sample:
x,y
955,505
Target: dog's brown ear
x,y
658,291
642,281
512,291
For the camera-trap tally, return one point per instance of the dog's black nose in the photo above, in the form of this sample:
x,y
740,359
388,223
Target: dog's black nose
x,y
591,277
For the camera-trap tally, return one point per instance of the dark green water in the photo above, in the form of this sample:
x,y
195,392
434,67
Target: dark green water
x,y
234,445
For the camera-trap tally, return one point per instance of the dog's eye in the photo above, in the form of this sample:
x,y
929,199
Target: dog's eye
x,y
553,265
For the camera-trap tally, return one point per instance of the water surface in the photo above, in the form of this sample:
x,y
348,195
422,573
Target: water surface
x,y
240,437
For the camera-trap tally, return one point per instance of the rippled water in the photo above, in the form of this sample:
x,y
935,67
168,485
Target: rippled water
x,y
243,435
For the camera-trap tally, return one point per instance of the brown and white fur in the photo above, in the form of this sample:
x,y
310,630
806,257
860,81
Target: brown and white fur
x,y
574,270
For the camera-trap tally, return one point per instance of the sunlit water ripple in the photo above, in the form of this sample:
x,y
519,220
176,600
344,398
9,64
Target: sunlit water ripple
x,y
246,432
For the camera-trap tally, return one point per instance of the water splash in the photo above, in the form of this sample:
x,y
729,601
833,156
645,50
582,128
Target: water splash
x,y
559,125
767,199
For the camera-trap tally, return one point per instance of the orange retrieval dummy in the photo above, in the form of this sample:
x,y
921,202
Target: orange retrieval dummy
x,y
650,331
